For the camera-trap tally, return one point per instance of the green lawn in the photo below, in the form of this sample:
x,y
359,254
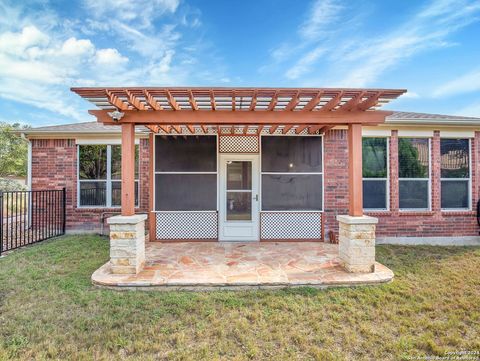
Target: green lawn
x,y
49,310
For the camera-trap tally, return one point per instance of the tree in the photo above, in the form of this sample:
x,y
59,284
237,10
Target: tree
x,y
13,151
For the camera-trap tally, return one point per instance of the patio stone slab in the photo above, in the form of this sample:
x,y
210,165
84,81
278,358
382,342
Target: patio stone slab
x,y
235,265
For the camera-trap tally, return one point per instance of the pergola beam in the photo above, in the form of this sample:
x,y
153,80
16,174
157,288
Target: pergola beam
x,y
273,102
273,128
133,100
286,128
253,103
171,100
293,102
116,101
212,100
243,117
370,102
353,102
151,101
192,101
300,128
332,103
313,102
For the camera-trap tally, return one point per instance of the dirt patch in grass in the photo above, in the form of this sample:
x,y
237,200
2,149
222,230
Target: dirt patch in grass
x,y
50,310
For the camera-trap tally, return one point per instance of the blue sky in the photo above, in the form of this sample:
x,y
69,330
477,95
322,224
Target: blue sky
x,y
431,48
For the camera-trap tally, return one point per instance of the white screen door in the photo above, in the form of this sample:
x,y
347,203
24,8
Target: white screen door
x,y
239,198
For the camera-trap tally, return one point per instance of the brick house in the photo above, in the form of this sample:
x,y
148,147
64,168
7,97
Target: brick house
x,y
240,164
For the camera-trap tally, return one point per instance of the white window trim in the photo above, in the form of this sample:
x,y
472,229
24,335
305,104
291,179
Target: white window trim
x,y
386,179
108,180
322,173
468,180
429,179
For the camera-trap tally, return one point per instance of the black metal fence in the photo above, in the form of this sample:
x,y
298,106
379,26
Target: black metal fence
x,y
28,217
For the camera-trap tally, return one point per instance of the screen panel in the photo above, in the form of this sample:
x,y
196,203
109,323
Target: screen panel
x,y
285,154
454,194
92,161
185,154
454,158
284,192
374,154
93,194
413,157
185,192
375,194
413,194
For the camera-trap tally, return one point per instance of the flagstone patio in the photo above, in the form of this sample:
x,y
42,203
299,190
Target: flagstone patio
x,y
211,265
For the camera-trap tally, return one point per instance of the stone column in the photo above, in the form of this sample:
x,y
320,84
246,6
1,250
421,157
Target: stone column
x,y
357,243
127,243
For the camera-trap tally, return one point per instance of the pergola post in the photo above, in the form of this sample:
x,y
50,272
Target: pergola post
x,y
355,170
356,231
127,231
128,169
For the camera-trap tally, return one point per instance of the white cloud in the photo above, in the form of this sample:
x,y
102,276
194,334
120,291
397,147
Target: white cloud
x,y
350,58
411,95
463,84
18,43
142,12
322,13
426,31
42,54
110,57
305,63
36,67
74,47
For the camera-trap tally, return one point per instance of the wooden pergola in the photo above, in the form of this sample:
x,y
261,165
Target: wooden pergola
x,y
247,111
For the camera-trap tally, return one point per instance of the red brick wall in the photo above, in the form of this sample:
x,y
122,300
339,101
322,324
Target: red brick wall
x,y
335,178
394,223
54,166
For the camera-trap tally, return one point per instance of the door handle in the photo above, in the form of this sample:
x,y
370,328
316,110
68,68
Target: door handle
x,y
256,197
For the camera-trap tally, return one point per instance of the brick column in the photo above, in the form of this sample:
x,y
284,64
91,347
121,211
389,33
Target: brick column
x,y
435,172
357,243
475,169
394,200
127,243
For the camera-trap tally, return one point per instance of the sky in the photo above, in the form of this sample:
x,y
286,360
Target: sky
x,y
430,47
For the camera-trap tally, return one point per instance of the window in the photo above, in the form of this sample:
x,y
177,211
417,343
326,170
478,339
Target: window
x,y
99,175
375,173
292,173
186,173
455,173
414,173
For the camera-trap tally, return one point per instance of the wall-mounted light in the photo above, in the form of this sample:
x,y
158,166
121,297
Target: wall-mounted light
x,y
116,115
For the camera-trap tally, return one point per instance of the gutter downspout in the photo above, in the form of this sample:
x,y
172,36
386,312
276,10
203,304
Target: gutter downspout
x,y
29,161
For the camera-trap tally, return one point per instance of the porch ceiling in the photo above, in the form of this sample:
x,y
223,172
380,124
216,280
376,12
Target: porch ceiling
x,y
240,106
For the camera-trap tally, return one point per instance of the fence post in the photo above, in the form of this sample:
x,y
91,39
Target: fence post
x,y
1,222
64,196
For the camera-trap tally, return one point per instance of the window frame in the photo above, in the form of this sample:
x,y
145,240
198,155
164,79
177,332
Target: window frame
x,y
217,173
429,179
322,173
387,178
468,180
108,180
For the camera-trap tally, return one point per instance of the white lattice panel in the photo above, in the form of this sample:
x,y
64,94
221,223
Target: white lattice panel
x,y
288,225
190,225
238,144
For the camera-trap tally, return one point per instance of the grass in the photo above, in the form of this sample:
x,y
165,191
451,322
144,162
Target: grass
x,y
50,310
